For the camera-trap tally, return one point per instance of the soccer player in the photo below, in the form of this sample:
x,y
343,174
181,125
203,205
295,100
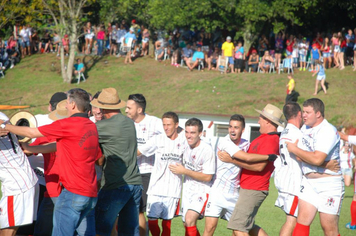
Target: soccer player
x,y
198,170
321,190
146,127
164,189
19,186
232,156
351,225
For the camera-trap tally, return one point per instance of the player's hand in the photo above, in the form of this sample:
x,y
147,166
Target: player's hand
x,y
224,157
24,147
292,146
3,132
177,168
333,165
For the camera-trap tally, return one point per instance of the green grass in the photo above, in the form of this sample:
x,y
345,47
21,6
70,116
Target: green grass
x,y
169,88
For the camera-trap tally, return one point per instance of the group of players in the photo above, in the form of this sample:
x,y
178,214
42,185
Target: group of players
x,y
230,183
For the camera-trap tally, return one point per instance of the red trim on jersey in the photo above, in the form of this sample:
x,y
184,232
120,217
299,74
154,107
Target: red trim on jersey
x,y
210,124
294,206
10,211
203,209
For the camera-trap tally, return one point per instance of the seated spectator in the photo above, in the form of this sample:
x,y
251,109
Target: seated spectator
x,y
13,54
127,37
65,43
159,49
187,53
228,52
213,59
239,57
253,61
45,44
79,67
197,57
266,62
145,40
57,43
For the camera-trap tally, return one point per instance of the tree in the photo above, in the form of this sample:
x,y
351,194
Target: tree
x,y
68,19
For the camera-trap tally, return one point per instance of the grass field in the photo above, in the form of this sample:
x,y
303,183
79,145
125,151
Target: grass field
x,y
35,79
165,87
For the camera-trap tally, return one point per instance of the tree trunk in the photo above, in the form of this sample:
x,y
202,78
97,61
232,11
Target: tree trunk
x,y
63,66
72,51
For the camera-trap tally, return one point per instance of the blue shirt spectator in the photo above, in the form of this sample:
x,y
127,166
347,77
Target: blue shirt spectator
x,y
197,55
187,51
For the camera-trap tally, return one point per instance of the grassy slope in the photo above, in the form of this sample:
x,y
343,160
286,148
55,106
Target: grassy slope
x,y
169,88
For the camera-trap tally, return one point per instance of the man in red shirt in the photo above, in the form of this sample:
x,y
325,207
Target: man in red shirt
x,y
77,149
254,184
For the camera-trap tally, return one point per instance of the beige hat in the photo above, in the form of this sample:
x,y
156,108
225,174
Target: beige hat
x,y
60,112
23,118
108,99
273,113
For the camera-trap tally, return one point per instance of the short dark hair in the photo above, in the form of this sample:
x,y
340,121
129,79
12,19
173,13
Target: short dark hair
x,y
139,99
81,99
240,118
316,104
96,95
171,115
56,98
195,122
291,109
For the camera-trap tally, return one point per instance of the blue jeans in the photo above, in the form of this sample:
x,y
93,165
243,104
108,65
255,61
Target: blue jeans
x,y
124,201
69,211
100,46
44,223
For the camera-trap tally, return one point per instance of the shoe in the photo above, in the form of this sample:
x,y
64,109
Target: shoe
x,y
12,66
349,226
304,69
300,69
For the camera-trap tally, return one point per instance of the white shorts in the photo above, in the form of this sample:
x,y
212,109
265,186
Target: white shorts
x,y
288,203
320,77
195,202
326,194
220,205
19,209
89,36
159,207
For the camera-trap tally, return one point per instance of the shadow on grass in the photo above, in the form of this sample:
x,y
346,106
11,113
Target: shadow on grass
x,y
89,62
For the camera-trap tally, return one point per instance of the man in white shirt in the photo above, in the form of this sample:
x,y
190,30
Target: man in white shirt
x,y
25,34
198,169
303,51
164,189
146,127
321,190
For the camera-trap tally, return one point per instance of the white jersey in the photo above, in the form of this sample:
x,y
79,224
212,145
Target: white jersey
x,y
25,34
16,175
323,138
145,130
199,159
227,178
352,139
43,120
288,171
346,158
163,182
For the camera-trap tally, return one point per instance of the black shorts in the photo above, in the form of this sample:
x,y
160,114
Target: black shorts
x,y
349,52
113,41
145,181
239,64
278,50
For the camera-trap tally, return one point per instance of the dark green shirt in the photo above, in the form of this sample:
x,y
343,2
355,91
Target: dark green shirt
x,y
117,138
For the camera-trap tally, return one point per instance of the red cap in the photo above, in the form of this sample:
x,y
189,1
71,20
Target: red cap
x,y
254,51
133,21
66,36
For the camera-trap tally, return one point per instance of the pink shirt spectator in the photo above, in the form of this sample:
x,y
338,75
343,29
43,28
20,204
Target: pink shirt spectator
x,y
101,35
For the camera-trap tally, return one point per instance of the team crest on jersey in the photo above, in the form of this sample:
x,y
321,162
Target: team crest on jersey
x,y
144,129
193,156
330,202
178,145
200,199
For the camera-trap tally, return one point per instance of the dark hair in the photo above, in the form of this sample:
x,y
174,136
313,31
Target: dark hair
x,y
81,98
195,122
96,95
240,118
291,109
316,104
171,115
139,99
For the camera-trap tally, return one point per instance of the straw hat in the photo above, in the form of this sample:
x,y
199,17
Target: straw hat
x,y
273,113
108,99
60,112
23,118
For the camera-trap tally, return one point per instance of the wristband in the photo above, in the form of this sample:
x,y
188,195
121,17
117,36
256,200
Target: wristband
x,y
272,157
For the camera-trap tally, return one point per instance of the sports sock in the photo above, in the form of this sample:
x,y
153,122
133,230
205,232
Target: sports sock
x,y
353,212
166,227
301,230
154,228
191,231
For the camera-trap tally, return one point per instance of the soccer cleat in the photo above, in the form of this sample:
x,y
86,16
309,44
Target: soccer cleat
x,y
349,226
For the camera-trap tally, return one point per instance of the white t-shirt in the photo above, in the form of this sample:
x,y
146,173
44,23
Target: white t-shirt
x,y
323,138
227,178
346,159
303,48
145,130
288,171
163,182
199,159
25,34
352,139
16,175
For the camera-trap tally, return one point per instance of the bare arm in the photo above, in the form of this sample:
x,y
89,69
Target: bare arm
x,y
100,161
225,157
23,131
180,169
316,158
46,148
